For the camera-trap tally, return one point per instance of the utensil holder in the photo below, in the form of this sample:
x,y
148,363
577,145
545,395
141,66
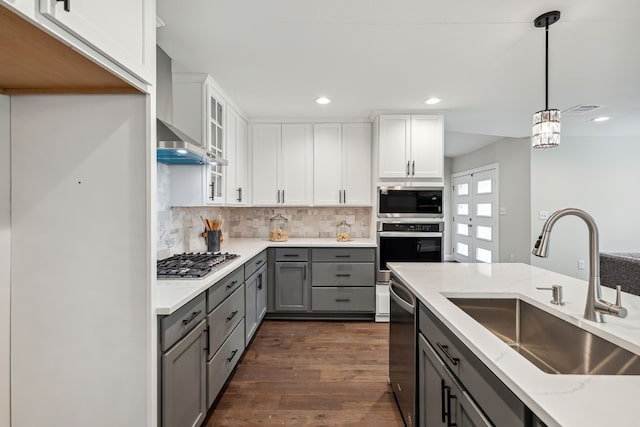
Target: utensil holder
x,y
213,241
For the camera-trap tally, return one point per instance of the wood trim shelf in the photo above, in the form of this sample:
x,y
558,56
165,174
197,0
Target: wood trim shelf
x,y
34,62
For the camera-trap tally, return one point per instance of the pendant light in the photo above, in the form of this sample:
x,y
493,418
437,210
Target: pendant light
x,y
546,123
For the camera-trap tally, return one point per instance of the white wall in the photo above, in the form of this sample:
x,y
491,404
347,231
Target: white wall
x,y
81,320
5,258
599,175
448,223
512,155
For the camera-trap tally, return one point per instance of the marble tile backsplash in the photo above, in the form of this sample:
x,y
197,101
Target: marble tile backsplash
x,y
180,228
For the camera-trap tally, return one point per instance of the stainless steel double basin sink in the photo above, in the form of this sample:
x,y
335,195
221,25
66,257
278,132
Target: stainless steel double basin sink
x,y
550,343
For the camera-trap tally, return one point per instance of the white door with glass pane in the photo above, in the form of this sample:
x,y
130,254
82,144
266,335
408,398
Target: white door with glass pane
x,y
475,215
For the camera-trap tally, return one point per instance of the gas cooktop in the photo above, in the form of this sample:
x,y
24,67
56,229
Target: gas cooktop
x,y
194,265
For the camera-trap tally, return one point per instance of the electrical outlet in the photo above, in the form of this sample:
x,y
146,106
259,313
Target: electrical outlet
x,y
543,215
256,223
580,264
350,219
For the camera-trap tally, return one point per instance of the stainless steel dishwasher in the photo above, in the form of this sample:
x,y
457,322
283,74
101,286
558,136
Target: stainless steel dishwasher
x,y
402,349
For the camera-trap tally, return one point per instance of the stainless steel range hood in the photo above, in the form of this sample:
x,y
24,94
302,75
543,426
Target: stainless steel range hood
x,y
173,145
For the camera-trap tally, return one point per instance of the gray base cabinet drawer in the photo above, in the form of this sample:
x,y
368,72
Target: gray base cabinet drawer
x,y
224,318
254,264
344,254
178,324
225,287
292,254
342,274
220,366
343,299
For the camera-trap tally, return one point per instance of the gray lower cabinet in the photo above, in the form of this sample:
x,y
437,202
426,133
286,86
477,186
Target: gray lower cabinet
x,y
222,363
292,286
343,280
184,379
443,402
455,387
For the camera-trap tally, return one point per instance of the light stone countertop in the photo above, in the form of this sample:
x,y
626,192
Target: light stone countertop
x,y
558,400
170,295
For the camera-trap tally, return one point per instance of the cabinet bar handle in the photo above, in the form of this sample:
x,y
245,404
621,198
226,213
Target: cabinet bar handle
x,y
212,192
195,314
343,256
67,5
278,196
259,261
343,299
407,168
239,194
282,196
413,168
344,196
232,315
343,275
442,401
304,269
233,354
450,396
445,350
339,196
230,285
206,346
291,255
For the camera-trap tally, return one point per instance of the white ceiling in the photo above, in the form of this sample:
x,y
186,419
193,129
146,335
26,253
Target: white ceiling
x,y
484,59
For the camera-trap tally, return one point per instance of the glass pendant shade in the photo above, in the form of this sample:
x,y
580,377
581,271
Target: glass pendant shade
x,y
546,129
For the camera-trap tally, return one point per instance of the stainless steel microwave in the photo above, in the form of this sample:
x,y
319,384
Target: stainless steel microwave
x,y
410,202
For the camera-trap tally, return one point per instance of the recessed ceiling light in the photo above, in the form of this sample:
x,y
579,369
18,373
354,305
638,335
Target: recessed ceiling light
x,y
323,100
601,119
432,101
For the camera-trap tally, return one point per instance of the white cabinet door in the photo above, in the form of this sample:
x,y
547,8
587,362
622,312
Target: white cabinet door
x,y
236,154
427,160
119,29
394,140
296,165
356,164
327,164
265,152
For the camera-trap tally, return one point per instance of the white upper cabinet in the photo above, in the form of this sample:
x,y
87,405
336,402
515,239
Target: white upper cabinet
x,y
236,152
282,157
121,30
410,147
199,111
342,164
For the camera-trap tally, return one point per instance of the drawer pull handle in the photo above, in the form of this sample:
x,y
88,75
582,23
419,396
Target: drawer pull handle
x,y
232,284
260,261
443,404
343,299
232,315
208,337
343,275
233,354
66,4
291,255
343,256
195,314
445,350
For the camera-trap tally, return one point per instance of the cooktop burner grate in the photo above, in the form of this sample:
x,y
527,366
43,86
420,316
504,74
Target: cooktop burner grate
x,y
191,265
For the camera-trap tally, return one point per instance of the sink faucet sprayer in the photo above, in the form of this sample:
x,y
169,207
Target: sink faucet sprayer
x,y
595,306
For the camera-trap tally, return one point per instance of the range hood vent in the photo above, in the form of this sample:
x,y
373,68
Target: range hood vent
x,y
177,148
174,146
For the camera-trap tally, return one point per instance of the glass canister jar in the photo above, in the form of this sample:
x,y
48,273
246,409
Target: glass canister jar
x,y
343,232
278,229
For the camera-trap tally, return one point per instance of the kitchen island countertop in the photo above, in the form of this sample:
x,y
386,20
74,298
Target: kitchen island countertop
x,y
558,400
170,295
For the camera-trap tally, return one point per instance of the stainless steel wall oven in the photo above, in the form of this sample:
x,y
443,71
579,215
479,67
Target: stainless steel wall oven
x,y
400,241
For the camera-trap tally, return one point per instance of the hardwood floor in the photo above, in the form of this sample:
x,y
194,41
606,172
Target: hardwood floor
x,y
309,373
